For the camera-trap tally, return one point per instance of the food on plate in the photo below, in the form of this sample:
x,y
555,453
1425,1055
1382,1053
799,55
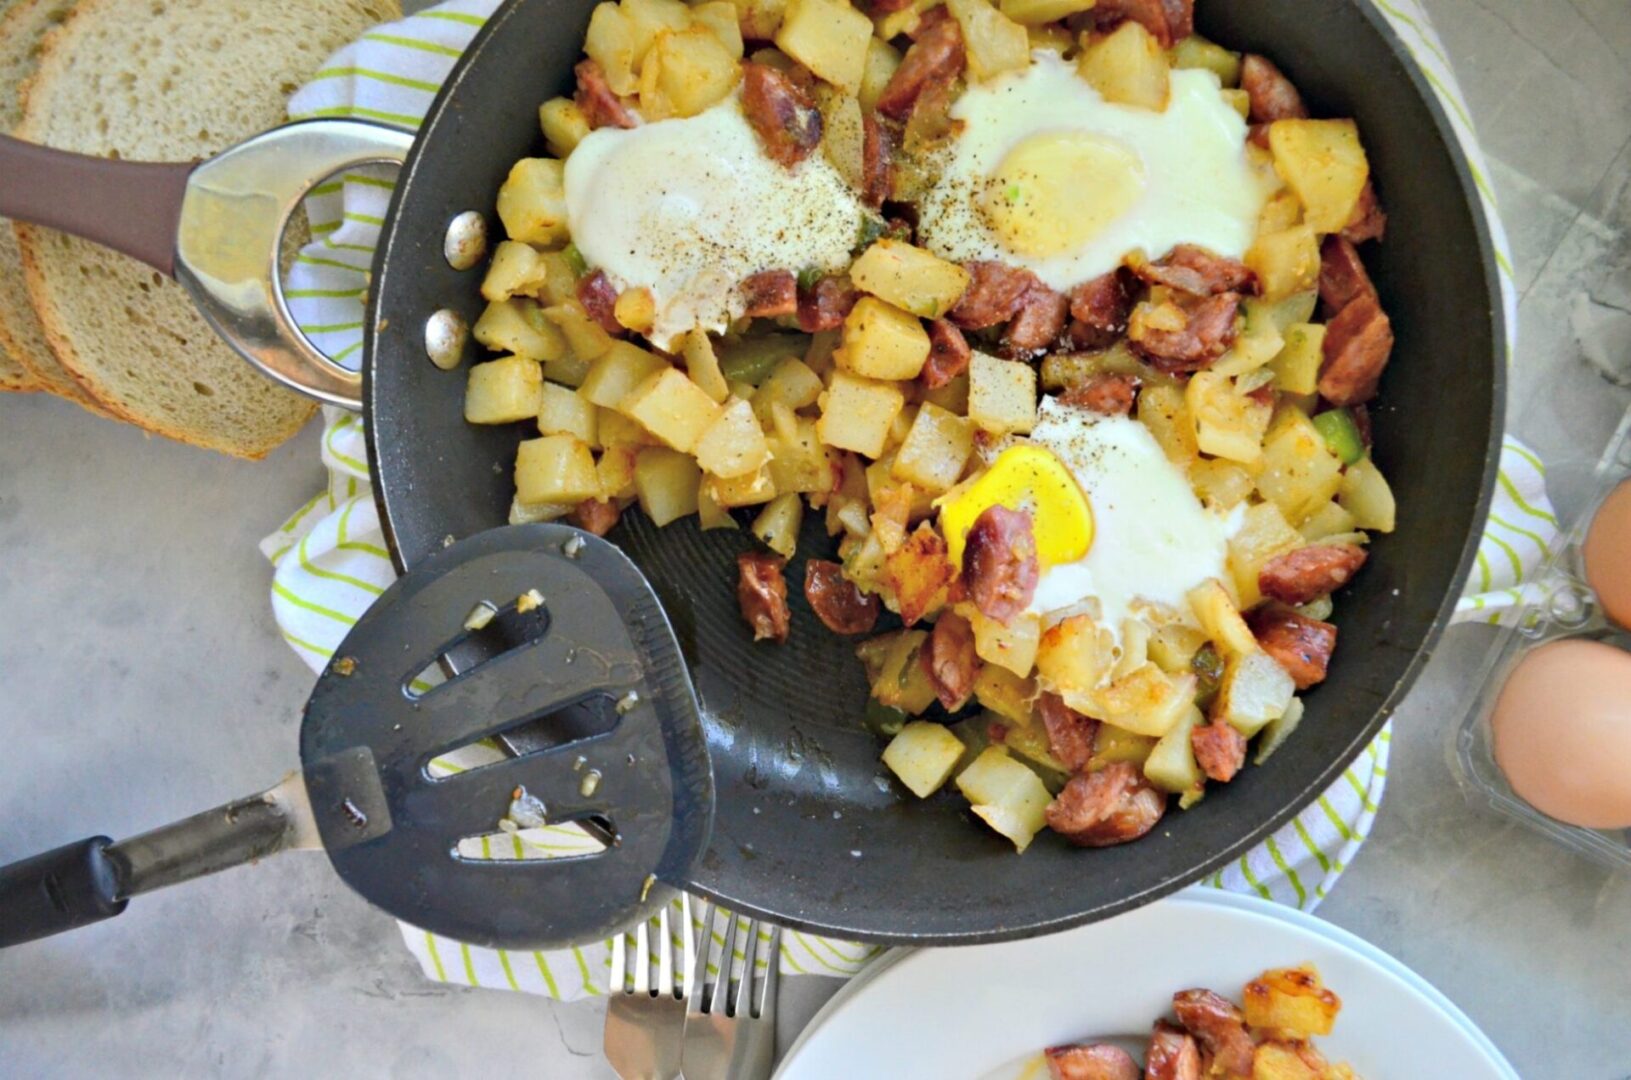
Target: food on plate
x,y
1053,312
1269,1036
1562,730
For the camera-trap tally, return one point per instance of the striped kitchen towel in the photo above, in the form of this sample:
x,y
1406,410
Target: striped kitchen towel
x,y
330,558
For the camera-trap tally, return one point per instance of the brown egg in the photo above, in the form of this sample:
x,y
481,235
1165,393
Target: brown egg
x,y
1563,732
1608,554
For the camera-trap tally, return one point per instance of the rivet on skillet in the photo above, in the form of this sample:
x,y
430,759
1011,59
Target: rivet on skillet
x,y
466,240
445,335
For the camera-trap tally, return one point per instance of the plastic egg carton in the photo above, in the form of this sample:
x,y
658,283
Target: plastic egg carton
x,y
1557,604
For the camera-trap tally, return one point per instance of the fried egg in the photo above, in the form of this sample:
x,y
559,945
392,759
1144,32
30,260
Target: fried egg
x,y
1048,175
690,207
1153,540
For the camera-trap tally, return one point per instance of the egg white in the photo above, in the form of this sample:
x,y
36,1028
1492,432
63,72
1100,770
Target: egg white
x,y
1153,541
1196,184
689,207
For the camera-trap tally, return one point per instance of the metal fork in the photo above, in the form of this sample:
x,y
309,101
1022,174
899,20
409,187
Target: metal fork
x,y
645,1025
731,1036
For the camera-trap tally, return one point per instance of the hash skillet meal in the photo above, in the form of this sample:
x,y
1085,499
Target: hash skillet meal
x,y
1271,1038
1053,310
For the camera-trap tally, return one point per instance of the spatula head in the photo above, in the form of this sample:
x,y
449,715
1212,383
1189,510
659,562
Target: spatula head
x,y
599,647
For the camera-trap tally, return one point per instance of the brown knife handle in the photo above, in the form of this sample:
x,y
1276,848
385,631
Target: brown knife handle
x,y
130,206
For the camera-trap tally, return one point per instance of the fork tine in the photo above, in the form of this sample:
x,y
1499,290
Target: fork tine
x,y
665,956
698,1001
773,964
620,965
719,1003
742,1005
642,958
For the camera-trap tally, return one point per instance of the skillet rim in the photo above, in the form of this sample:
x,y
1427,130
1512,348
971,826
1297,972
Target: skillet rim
x,y
1292,803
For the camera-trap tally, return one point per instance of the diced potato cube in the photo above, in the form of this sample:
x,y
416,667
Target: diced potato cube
x,y
1037,12
673,408
1001,394
1367,496
829,37
1277,731
1128,67
1112,744
1329,520
685,72
1283,313
1221,485
1264,534
995,43
749,490
1297,368
635,309
563,412
1292,1002
611,42
518,325
1280,1061
666,482
1228,424
910,278
719,16
792,384
1299,473
881,61
1054,37
1072,657
710,515
1006,795
1004,693
1135,642
1173,647
583,335
1147,701
516,268
778,524
532,201
734,444
843,134
893,24
503,391
1255,690
759,19
702,364
1221,620
615,429
1195,51
1280,211
798,459
1171,765
1287,261
899,429
895,498
935,451
1164,410
560,279
856,413
650,19
882,342
619,371
1324,163
564,125
530,513
555,469
616,472
922,756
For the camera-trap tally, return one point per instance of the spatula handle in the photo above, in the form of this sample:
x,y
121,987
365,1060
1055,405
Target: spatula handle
x,y
73,886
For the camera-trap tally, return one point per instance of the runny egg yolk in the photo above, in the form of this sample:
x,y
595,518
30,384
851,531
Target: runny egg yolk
x,y
1034,199
1029,478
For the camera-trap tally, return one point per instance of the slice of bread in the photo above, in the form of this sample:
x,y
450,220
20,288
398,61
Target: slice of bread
x,y
167,80
26,362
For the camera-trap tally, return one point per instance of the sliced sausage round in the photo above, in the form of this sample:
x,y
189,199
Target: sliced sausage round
x,y
837,602
1111,806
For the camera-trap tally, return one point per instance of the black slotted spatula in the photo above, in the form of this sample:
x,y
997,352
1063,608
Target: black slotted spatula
x,y
538,625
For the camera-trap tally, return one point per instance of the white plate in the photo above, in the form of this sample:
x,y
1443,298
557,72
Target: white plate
x,y
984,1009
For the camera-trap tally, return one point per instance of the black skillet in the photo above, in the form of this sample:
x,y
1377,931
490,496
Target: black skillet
x,y
809,832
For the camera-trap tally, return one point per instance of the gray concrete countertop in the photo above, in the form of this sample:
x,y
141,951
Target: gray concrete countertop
x,y
142,679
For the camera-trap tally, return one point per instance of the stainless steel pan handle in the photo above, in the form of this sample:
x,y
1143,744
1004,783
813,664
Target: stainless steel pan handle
x,y
217,227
